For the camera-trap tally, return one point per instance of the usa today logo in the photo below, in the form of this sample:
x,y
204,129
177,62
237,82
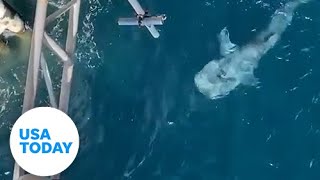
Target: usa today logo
x,y
44,141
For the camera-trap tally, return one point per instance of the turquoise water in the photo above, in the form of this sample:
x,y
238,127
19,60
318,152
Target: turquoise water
x,y
148,120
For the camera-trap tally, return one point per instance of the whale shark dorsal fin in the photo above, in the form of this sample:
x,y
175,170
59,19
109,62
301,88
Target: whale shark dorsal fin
x,y
226,46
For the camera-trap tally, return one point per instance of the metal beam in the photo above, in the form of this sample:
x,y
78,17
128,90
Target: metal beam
x,y
33,67
155,33
47,79
17,172
34,58
147,21
68,66
59,12
137,7
55,48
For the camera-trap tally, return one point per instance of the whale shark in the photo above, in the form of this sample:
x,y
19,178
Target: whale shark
x,y
237,64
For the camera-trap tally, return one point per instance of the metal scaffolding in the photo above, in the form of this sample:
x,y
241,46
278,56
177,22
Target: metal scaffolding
x,y
37,62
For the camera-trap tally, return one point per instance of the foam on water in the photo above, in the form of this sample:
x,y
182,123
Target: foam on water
x,y
87,52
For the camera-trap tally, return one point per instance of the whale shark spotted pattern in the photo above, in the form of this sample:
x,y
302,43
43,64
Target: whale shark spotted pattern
x,y
218,78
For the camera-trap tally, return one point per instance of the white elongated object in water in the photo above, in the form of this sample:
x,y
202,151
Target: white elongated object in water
x,y
147,21
154,32
136,6
219,77
143,19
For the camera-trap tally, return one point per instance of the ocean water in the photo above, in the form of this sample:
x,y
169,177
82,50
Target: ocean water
x,y
141,117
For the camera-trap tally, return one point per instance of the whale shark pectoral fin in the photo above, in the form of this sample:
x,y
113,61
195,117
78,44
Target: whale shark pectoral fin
x,y
249,80
226,46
